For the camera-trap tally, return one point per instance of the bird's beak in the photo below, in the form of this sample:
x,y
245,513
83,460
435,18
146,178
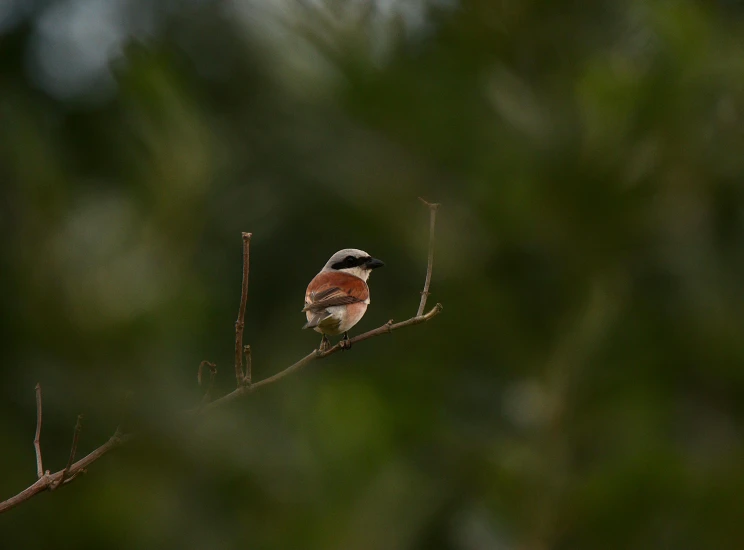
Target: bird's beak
x,y
374,263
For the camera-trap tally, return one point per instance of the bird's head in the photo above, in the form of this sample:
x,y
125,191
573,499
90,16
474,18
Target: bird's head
x,y
353,261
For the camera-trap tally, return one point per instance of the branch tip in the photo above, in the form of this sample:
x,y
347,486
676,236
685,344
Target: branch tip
x,y
212,374
37,436
118,433
430,263
240,323
432,205
212,369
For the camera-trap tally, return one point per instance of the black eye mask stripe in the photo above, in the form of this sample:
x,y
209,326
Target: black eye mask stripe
x,y
351,262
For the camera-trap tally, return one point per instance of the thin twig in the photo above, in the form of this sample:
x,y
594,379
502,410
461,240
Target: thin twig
x,y
430,264
240,323
73,451
200,374
37,437
72,471
212,373
248,365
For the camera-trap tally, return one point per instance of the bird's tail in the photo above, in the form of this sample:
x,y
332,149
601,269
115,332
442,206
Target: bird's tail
x,y
316,319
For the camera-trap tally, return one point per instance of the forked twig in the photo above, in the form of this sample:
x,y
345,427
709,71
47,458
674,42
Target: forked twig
x,y
77,468
48,481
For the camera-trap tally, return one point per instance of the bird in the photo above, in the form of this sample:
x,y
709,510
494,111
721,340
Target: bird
x,y
338,296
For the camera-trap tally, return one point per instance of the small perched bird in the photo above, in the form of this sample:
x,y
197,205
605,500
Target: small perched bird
x,y
337,297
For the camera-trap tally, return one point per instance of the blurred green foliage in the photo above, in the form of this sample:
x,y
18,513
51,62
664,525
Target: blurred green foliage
x,y
583,388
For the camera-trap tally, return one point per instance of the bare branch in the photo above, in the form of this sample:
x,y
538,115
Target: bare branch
x,y
240,323
430,264
49,481
78,467
37,437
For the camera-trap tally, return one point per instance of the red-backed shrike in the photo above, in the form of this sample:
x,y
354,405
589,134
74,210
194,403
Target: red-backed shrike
x,y
337,297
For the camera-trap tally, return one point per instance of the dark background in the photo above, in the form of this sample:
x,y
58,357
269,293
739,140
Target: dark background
x,y
583,388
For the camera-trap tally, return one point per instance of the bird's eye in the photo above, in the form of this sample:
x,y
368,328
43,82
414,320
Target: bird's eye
x,y
350,259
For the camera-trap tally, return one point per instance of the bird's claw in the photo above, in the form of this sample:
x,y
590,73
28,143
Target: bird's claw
x,y
345,343
325,344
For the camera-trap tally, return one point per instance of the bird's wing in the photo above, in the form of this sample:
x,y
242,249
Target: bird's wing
x,y
334,289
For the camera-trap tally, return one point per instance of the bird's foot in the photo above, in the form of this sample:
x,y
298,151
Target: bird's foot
x,y
325,343
345,343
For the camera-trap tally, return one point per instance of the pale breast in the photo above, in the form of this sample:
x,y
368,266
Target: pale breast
x,y
353,314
